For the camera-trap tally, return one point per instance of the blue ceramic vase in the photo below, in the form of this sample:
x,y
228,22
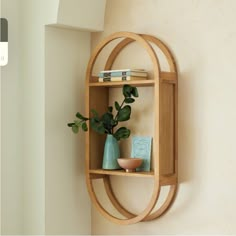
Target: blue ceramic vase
x,y
111,153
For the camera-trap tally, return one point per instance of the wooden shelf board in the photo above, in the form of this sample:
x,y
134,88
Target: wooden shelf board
x,y
164,179
102,172
136,83
166,77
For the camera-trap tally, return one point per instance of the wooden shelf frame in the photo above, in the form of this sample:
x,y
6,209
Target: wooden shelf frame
x,y
165,86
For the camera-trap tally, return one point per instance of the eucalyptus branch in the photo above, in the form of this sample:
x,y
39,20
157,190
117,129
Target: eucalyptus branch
x,y
106,123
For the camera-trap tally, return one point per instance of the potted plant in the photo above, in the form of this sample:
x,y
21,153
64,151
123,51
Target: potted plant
x,y
106,124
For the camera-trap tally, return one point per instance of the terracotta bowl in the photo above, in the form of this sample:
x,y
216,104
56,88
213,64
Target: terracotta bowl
x,y
130,164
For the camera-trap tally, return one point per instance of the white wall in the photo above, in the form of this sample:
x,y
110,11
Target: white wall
x,y
67,203
23,91
202,35
34,15
11,128
84,15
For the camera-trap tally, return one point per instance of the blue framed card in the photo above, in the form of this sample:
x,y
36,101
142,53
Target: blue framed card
x,y
141,148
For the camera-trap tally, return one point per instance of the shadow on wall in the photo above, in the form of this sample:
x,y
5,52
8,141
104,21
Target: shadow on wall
x,y
187,142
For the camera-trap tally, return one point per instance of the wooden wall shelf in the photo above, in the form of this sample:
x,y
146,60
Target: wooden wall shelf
x,y
165,85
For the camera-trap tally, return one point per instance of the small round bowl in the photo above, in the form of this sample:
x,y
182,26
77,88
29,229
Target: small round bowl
x,y
130,164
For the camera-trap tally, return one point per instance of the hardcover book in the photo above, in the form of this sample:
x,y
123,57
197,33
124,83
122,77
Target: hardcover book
x,y
120,78
124,72
141,148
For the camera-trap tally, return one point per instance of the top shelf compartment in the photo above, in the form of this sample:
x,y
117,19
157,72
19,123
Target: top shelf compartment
x,y
165,77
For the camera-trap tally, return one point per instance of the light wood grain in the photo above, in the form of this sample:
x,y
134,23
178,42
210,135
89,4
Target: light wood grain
x,y
122,173
168,77
166,129
164,179
119,84
99,102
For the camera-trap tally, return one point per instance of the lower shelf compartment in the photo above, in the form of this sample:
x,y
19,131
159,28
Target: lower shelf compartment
x,y
164,179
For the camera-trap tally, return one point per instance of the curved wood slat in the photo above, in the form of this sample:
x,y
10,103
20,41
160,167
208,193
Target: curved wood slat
x,y
116,51
114,200
132,219
153,215
164,49
165,206
107,184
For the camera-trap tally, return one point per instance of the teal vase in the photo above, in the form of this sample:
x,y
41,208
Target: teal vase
x,y
111,153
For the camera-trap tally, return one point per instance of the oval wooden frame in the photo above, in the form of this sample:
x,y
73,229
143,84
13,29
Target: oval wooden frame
x,y
147,214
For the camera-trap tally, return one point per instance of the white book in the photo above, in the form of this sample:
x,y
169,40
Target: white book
x,y
125,72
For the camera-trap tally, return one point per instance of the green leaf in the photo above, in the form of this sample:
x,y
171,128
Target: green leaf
x,y
127,90
77,122
94,120
70,124
129,100
122,133
84,127
95,113
135,92
97,126
110,108
100,129
114,122
75,129
117,106
124,113
106,118
81,117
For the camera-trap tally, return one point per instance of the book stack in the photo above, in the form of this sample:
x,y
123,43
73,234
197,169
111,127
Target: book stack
x,y
122,75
